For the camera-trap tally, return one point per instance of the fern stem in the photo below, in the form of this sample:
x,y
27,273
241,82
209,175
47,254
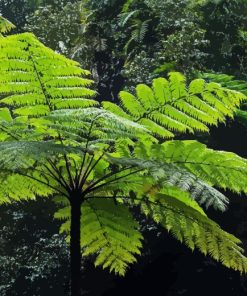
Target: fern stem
x,y
91,188
83,178
65,186
44,183
87,172
85,153
60,176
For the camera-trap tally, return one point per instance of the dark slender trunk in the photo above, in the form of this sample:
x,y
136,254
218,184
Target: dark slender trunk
x,y
75,247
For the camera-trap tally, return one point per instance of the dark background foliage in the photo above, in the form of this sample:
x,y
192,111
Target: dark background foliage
x,y
124,43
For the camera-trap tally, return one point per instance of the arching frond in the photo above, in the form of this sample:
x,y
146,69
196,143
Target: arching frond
x,y
228,81
35,80
218,168
195,230
169,175
5,25
170,107
109,231
102,124
232,83
17,155
16,187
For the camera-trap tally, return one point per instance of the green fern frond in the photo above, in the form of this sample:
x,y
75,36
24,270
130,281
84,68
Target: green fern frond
x,y
218,168
195,230
109,231
5,25
171,106
124,17
228,81
35,80
169,175
17,155
195,168
103,125
16,187
140,30
231,83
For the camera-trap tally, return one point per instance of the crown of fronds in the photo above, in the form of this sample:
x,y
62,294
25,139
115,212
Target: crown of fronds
x,y
170,107
55,140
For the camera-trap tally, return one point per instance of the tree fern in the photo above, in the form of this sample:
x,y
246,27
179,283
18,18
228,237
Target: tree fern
x,y
96,162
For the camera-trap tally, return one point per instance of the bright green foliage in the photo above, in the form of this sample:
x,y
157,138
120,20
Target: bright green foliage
x,y
193,167
171,107
230,82
56,140
109,230
35,80
196,230
5,25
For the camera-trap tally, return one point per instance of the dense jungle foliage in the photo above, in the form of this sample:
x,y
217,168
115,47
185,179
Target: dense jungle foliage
x,y
128,46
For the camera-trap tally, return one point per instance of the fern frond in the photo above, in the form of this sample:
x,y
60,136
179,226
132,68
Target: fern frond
x,y
17,155
169,175
231,83
195,230
109,231
124,17
171,106
5,25
16,187
218,168
104,126
227,81
35,80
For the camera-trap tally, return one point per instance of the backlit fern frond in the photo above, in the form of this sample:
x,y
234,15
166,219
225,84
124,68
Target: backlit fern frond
x,y
232,83
228,81
35,80
169,175
109,231
195,230
104,126
170,106
16,187
5,25
218,168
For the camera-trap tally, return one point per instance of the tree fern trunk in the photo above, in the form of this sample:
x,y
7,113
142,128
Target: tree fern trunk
x,y
75,247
